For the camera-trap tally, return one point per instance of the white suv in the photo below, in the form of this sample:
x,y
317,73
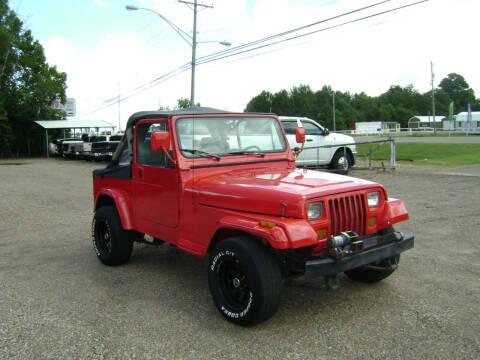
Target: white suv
x,y
321,147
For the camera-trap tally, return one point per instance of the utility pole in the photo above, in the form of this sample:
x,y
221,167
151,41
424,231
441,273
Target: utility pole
x,y
333,103
433,99
190,40
194,54
194,44
119,124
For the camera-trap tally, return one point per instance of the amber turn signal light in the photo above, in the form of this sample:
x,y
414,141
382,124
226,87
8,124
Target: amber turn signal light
x,y
322,234
267,224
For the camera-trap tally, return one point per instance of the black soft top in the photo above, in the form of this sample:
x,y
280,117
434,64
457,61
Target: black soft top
x,y
122,158
160,114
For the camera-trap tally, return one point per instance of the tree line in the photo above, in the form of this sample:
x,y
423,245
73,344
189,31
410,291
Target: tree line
x,y
28,87
397,104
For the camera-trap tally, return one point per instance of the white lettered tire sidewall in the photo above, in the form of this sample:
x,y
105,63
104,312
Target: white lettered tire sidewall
x,y
262,276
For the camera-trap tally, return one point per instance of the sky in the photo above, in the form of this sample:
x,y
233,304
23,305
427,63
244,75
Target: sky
x,y
109,52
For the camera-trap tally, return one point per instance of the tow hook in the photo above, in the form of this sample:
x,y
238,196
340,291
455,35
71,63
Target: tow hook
x,y
398,236
346,243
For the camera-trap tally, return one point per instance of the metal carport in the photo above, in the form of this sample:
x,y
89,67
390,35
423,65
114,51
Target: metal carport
x,y
71,124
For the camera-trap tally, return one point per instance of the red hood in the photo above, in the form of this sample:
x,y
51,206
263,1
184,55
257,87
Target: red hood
x,y
272,191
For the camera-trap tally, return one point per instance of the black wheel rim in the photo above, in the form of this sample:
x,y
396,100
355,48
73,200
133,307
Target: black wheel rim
x,y
234,284
103,237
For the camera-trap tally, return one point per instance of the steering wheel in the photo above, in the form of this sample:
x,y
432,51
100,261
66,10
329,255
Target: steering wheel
x,y
251,147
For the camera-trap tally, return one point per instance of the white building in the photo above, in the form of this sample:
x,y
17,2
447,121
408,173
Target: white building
x,y
421,121
376,127
463,124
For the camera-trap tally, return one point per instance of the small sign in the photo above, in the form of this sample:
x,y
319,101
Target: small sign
x,y
69,107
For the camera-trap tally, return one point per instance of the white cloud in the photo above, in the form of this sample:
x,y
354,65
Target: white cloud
x,y
369,56
61,52
101,3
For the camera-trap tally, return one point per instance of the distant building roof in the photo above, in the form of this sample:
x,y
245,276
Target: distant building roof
x,y
73,124
463,116
428,118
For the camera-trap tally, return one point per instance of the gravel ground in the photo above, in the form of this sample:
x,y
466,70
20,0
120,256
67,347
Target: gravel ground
x,y
57,301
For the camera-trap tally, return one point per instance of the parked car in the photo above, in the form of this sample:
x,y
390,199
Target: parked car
x,y
53,147
87,145
104,146
233,193
322,148
69,147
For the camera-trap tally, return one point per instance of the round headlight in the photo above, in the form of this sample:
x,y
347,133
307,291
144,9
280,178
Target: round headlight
x,y
373,199
315,210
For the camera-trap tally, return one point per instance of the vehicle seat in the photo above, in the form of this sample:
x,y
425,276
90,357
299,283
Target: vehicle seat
x,y
213,145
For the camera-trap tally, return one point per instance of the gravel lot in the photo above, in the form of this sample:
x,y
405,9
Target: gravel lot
x,y
57,301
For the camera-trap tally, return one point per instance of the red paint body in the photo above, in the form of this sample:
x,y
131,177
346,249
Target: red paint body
x,y
200,200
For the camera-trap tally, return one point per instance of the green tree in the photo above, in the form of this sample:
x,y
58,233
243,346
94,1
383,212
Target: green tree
x,y
28,85
364,107
397,104
184,103
459,91
442,102
282,103
324,106
260,103
302,100
400,104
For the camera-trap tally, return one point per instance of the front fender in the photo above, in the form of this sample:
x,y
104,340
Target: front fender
x,y
394,212
284,234
120,198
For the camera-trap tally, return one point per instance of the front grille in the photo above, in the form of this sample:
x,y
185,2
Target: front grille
x,y
113,146
105,146
98,147
348,213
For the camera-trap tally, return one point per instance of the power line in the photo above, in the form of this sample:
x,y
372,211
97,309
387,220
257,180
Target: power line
x,y
221,56
230,52
268,38
141,88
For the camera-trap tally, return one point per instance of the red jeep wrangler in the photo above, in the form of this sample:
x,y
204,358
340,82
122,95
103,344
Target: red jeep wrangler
x,y
225,184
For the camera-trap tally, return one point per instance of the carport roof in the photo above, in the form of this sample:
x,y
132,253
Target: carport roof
x,y
73,124
427,119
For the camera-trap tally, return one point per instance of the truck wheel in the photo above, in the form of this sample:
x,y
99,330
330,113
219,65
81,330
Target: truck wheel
x,y
111,242
245,281
373,273
338,161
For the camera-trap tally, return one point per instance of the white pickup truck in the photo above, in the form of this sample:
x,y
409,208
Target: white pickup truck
x,y
322,148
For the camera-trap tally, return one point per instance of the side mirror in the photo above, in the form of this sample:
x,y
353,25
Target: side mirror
x,y
300,135
160,141
326,132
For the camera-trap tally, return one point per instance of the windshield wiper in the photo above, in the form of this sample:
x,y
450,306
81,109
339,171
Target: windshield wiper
x,y
243,152
202,153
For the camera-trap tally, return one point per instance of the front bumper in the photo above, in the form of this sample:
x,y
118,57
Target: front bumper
x,y
377,248
103,155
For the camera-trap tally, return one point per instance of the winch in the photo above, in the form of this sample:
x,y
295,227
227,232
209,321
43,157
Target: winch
x,y
346,243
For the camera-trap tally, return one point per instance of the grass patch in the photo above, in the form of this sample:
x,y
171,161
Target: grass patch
x,y
443,134
431,155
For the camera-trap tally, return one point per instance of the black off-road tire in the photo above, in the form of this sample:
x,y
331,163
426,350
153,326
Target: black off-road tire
x,y
337,162
372,275
245,281
111,242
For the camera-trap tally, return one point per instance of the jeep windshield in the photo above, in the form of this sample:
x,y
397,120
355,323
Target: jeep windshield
x,y
227,136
